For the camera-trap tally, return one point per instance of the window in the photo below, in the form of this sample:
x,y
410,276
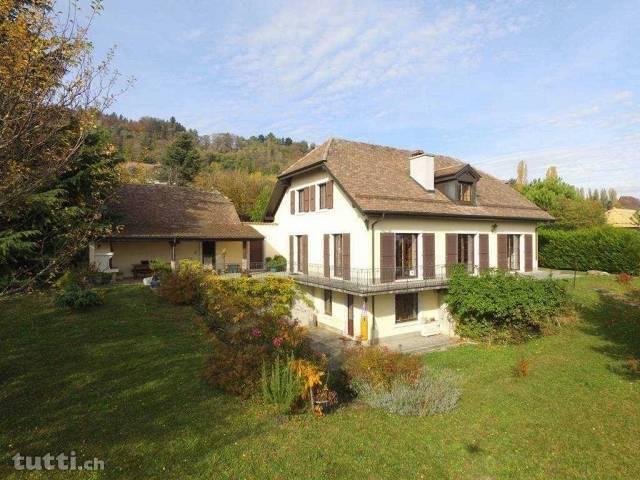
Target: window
x,y
323,195
337,255
300,250
513,251
328,300
465,250
464,192
406,255
406,307
301,200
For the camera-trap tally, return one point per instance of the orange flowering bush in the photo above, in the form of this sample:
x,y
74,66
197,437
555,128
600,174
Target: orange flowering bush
x,y
379,367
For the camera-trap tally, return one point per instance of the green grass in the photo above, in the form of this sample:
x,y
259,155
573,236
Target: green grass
x,y
123,383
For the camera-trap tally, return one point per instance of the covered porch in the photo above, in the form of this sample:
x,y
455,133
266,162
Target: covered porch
x,y
133,257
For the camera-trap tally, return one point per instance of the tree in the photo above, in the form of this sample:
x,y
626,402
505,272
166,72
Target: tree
x,y
182,161
522,173
552,172
260,204
247,191
50,91
563,202
636,218
43,236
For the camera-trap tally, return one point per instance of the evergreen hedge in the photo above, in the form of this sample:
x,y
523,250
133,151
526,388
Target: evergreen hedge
x,y
608,249
498,306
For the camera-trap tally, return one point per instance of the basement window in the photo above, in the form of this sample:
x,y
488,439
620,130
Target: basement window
x,y
328,301
406,307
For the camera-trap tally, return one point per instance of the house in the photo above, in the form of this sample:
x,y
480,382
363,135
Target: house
x,y
171,223
622,218
371,233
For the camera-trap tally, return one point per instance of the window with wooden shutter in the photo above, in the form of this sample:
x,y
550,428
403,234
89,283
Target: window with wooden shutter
x,y
483,243
322,194
428,255
346,256
330,194
387,257
337,255
451,247
327,255
293,202
528,252
503,263
291,257
312,198
305,192
305,256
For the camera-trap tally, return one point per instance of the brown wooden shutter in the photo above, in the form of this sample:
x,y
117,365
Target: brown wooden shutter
x,y
312,198
387,257
451,250
256,254
503,261
528,252
329,201
305,197
472,253
291,269
484,251
293,202
327,265
346,256
305,254
428,255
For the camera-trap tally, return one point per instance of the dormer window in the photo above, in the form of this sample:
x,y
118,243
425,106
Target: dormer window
x,y
458,183
465,191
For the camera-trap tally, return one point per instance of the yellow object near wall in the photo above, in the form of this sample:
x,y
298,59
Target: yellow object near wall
x,y
364,328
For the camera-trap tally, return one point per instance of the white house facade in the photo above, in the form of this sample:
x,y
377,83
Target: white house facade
x,y
371,234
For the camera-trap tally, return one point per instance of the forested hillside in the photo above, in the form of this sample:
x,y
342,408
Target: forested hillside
x,y
242,168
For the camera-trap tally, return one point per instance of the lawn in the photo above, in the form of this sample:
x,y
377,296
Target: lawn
x,y
123,383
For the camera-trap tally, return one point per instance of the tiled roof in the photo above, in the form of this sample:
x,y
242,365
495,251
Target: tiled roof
x,y
165,211
377,179
621,217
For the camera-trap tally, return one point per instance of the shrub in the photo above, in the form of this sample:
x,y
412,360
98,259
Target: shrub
x,y
624,278
281,386
608,249
378,367
502,307
250,320
431,393
160,267
277,263
185,285
522,368
77,298
74,290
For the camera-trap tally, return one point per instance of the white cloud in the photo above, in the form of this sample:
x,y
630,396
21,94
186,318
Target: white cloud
x,y
331,55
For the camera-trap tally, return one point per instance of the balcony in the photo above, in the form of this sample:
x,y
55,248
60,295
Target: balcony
x,y
366,281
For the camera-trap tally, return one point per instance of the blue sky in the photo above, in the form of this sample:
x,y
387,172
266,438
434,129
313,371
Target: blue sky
x,y
551,83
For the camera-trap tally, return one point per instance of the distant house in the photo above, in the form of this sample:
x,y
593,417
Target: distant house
x,y
622,218
628,202
170,223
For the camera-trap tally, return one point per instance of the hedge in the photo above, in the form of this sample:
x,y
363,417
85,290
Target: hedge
x,y
499,306
608,249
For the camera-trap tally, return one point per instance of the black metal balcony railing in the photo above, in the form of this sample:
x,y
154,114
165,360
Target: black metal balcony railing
x,y
367,280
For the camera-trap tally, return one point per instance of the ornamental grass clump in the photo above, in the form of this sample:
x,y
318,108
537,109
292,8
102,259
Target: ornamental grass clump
x,y
281,386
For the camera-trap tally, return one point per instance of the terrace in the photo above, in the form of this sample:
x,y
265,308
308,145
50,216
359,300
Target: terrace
x,y
367,281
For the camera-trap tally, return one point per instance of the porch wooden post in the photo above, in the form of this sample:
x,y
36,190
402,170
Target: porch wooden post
x,y
173,254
